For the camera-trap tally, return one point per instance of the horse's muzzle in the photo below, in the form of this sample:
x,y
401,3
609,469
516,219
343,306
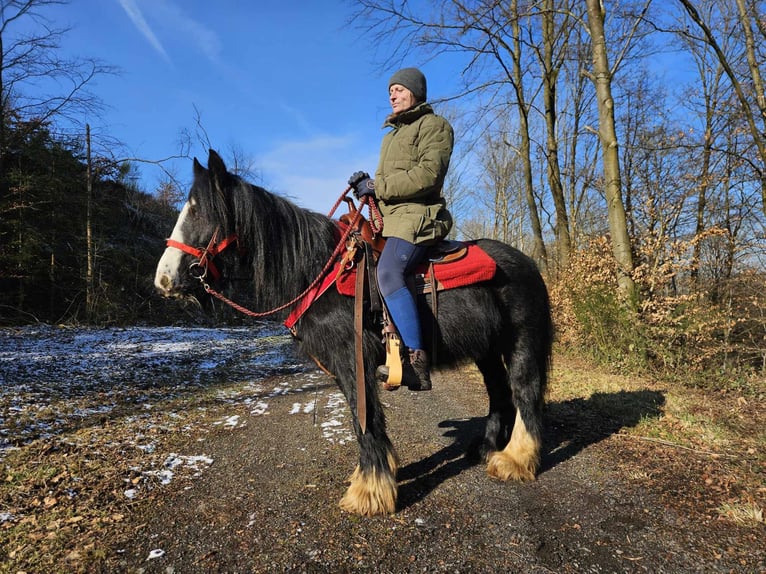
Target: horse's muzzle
x,y
164,285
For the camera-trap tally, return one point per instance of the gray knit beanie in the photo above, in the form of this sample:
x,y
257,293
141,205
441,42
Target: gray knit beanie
x,y
412,79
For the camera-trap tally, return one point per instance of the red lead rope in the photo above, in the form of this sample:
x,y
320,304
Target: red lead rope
x,y
377,226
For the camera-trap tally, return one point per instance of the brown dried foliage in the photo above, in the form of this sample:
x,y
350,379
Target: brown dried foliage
x,y
711,330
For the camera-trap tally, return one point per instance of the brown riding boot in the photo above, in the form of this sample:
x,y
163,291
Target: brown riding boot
x,y
416,372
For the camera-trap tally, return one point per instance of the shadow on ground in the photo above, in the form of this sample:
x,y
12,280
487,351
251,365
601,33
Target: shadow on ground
x,y
570,426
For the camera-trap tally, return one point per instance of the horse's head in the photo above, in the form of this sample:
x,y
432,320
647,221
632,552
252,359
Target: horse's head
x,y
202,232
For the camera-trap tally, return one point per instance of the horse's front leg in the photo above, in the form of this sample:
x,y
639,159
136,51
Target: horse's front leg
x,y
328,334
373,487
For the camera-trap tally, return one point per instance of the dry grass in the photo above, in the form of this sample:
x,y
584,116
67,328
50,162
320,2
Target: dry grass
x,y
715,440
64,493
747,514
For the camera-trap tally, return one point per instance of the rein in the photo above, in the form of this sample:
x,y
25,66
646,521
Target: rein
x,y
205,257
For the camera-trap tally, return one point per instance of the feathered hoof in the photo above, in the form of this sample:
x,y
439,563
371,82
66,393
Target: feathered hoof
x,y
503,466
371,493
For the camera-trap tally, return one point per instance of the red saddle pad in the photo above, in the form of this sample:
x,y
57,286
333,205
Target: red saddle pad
x,y
475,267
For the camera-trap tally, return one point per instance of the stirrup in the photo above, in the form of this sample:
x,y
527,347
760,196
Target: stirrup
x,y
390,374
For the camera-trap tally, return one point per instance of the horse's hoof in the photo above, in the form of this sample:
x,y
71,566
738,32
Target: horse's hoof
x,y
371,493
505,468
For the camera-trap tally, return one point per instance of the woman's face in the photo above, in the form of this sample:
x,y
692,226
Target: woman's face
x,y
401,98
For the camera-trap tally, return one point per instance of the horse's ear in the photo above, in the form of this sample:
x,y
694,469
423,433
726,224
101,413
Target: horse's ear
x,y
215,164
218,172
198,169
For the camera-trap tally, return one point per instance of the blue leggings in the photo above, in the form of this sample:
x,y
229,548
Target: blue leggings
x,y
398,259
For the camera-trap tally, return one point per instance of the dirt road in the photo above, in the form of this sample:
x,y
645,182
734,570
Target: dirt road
x,y
268,503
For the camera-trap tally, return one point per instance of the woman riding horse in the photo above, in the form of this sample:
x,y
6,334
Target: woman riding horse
x,y
414,159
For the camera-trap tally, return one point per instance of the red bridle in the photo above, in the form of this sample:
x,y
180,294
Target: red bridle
x,y
204,263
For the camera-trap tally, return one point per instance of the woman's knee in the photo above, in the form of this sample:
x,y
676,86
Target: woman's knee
x,y
390,277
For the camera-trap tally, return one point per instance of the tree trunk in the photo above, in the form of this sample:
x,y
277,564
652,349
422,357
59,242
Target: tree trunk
x,y
550,75
88,231
618,227
538,251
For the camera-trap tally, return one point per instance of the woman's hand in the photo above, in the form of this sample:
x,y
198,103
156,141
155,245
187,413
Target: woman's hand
x,y
362,184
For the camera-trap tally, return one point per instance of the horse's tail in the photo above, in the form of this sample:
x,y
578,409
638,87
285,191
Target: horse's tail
x,y
524,296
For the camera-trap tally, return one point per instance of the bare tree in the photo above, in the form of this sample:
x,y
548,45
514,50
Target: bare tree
x,y
714,118
489,34
500,191
748,86
554,44
579,166
35,81
516,78
601,75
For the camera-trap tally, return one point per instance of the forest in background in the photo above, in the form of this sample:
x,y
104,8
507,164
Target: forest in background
x,y
645,207
45,223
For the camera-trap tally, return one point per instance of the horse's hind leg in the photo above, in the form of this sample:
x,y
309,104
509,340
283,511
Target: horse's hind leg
x,y
497,431
520,458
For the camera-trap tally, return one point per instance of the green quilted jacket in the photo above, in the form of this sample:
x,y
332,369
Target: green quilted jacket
x,y
414,158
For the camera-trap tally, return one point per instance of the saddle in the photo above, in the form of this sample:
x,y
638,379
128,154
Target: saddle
x,y
449,264
426,279
445,251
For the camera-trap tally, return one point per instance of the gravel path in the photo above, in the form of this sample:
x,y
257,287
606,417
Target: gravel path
x,y
269,502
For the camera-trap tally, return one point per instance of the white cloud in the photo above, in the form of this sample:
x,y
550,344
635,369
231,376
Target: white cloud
x,y
137,17
205,39
173,18
314,172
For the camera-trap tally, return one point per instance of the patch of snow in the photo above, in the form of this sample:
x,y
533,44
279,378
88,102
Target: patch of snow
x,y
54,380
164,475
279,390
260,408
334,429
174,460
229,422
156,553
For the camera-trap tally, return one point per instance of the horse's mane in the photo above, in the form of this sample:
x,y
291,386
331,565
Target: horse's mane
x,y
286,245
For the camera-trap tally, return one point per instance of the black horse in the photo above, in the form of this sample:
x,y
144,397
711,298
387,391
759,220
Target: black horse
x,y
503,325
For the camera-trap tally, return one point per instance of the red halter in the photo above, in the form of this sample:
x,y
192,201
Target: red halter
x,y
204,263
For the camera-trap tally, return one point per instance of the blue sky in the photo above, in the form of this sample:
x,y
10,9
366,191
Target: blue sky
x,y
291,84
